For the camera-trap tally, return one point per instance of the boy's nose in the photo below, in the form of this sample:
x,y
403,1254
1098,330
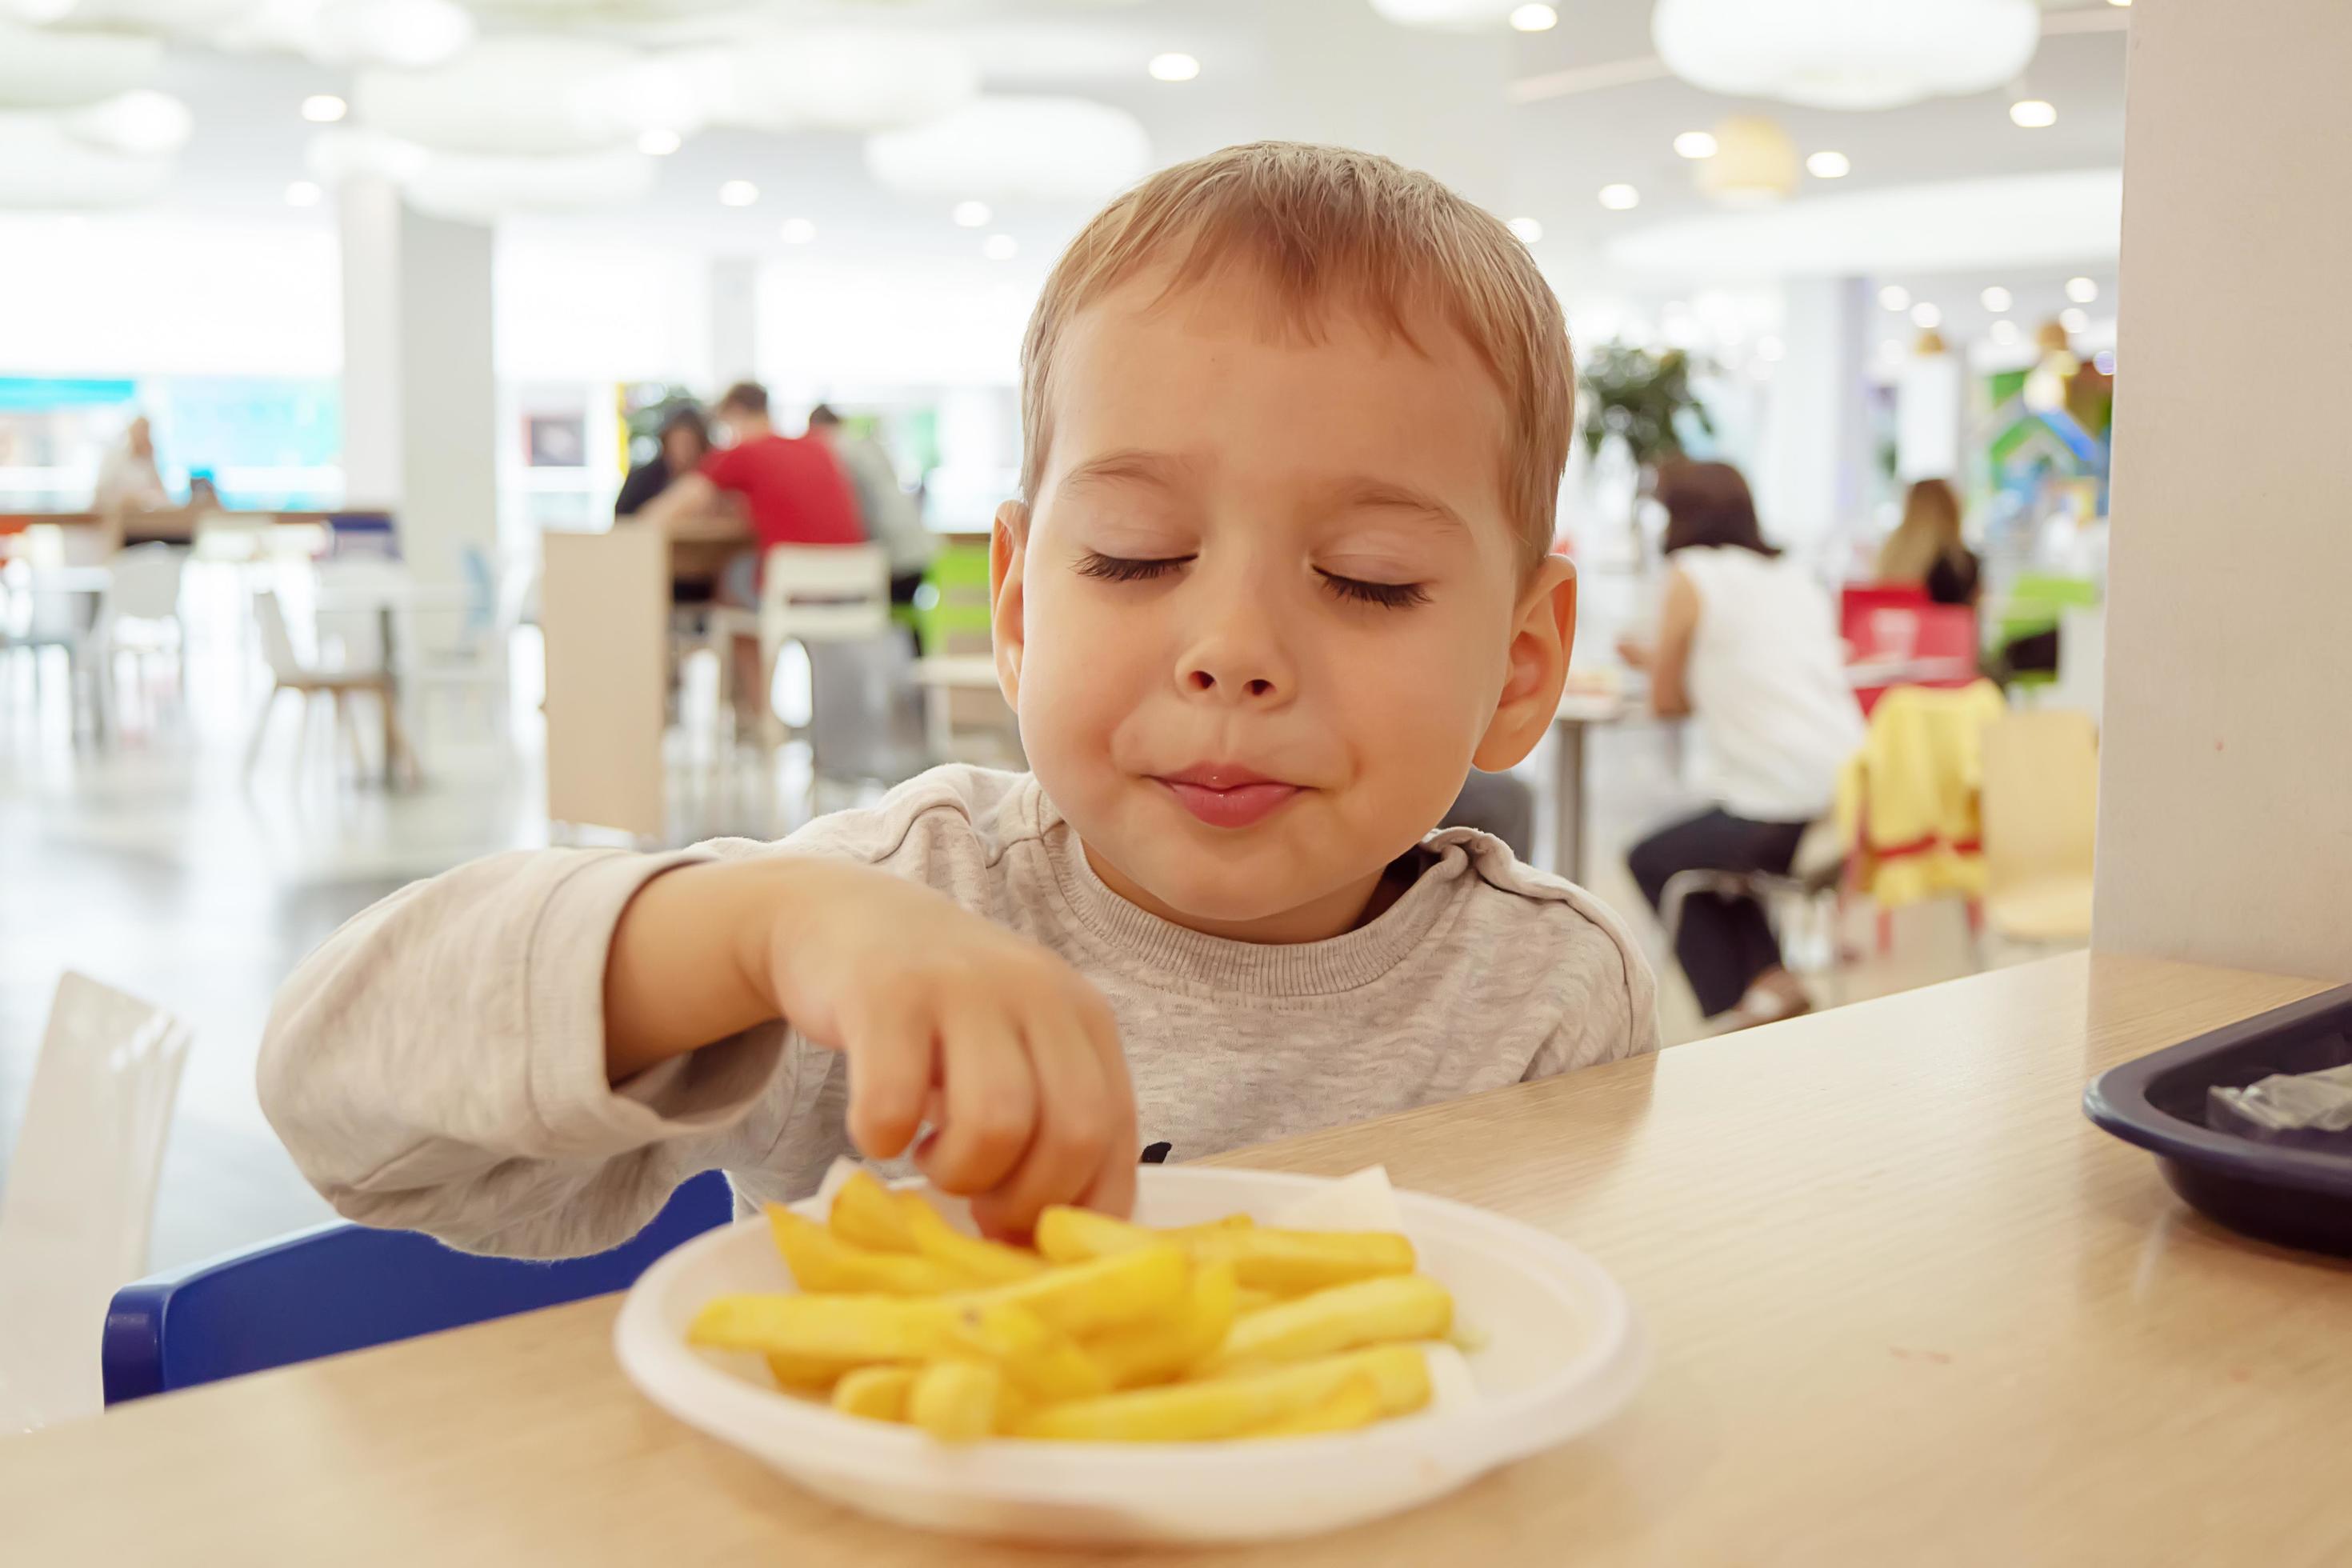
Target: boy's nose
x,y
1237,667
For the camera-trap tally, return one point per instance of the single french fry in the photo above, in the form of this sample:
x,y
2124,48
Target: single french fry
x,y
1086,1298
876,1392
1158,1349
850,1331
1226,1407
1291,1262
1253,1300
1041,1361
822,1262
865,1213
1355,1402
983,1262
955,1401
1067,1235
802,1373
1344,1317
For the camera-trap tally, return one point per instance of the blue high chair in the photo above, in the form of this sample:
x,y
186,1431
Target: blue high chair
x,y
346,1286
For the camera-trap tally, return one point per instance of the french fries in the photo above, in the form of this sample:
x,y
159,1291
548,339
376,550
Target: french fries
x,y
1227,1407
1108,1332
1344,1317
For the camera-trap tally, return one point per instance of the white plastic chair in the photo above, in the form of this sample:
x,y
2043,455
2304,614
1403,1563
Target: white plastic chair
x,y
141,616
289,673
80,1193
808,593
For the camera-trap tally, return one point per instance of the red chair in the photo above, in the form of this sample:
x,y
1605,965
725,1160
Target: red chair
x,y
1917,641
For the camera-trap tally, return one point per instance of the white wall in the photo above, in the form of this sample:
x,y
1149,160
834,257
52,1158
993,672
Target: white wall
x,y
141,294
2225,820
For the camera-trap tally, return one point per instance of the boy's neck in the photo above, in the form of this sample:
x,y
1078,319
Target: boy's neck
x,y
1335,914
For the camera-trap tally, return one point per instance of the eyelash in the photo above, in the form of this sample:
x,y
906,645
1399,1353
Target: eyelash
x,y
1128,569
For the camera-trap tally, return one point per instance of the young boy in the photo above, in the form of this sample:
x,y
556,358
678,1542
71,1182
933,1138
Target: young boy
x,y
1294,421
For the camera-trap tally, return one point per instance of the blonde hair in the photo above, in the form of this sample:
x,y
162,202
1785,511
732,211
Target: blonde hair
x,y
1324,224
1929,532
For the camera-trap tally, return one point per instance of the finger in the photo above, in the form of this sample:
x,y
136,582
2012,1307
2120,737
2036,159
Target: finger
x,y
890,1044
991,1104
1074,1125
1113,1188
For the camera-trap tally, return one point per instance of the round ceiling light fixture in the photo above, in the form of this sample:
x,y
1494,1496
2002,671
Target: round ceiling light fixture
x,y
1620,198
324,108
972,215
1533,18
838,79
1995,298
1845,54
141,122
522,95
1755,163
1527,230
1926,317
1895,297
1828,165
2082,290
1695,145
1174,67
2032,114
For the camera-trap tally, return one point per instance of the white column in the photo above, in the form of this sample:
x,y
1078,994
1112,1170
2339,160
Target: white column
x,y
1816,438
734,321
2222,835
420,415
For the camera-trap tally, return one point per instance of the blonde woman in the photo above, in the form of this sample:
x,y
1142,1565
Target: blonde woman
x,y
1924,551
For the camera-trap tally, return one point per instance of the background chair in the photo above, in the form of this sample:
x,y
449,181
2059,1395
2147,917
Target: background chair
x,y
289,673
1805,908
346,1286
80,1192
140,614
2041,812
1902,626
808,593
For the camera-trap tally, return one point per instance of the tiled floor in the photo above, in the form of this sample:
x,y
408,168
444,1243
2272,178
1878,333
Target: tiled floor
x,y
154,865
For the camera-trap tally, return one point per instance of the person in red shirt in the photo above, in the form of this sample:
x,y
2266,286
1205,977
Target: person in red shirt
x,y
792,487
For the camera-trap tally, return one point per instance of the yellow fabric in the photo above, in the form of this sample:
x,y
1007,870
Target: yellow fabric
x,y
1914,788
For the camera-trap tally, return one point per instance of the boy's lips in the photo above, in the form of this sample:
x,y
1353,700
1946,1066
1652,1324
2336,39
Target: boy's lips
x,y
1223,795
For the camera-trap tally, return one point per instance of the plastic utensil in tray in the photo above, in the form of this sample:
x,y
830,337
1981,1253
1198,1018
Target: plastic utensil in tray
x,y
2296,1191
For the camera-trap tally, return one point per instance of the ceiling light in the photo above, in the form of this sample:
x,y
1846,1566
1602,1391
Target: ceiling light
x,y
2119,2
1535,19
1829,166
972,215
142,123
2082,290
2004,333
738,193
1995,298
1925,316
2075,318
1769,348
1000,247
1527,228
2104,362
1620,198
1755,163
659,143
414,34
848,79
303,194
324,108
798,231
1845,54
2033,113
1895,297
1695,144
1174,67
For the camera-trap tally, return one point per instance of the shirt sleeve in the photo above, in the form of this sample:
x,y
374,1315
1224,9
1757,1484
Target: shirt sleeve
x,y
438,1064
724,467
645,481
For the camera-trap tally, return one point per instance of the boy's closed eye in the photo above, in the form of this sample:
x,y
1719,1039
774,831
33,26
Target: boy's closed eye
x,y
1359,590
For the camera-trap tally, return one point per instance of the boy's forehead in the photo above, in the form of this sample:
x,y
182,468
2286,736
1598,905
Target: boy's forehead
x,y
1145,350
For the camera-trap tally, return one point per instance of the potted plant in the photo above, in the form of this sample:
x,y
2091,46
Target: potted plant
x,y
1640,399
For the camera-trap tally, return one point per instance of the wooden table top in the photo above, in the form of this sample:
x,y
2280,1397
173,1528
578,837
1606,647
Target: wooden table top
x,y
1906,1306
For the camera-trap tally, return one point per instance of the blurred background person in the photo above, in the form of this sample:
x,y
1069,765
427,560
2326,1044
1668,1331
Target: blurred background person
x,y
128,480
1746,647
793,489
1926,549
685,442
890,517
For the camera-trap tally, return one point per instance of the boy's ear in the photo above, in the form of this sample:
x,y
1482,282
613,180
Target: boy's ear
x,y
1008,546
1543,630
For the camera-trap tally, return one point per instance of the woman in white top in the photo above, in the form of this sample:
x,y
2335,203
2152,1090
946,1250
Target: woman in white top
x,y
1747,647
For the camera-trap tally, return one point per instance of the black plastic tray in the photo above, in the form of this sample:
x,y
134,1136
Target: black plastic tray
x,y
2295,1196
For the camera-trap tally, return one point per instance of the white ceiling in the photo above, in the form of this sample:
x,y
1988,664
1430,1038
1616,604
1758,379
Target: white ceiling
x,y
1330,64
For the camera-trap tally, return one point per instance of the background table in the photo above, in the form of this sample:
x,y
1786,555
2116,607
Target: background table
x,y
1906,1307
1578,712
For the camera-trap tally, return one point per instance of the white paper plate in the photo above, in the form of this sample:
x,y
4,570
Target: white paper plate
x,y
1558,1352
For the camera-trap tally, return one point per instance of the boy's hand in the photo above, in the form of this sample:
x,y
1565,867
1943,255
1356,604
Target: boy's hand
x,y
1011,1057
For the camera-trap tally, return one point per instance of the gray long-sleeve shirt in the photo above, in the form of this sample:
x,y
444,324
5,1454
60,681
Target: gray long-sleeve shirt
x,y
438,1063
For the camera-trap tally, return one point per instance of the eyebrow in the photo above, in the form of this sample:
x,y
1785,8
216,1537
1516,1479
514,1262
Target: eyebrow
x,y
1384,495
1130,465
